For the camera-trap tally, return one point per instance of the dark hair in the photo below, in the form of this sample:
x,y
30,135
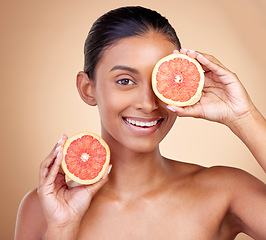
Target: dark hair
x,y
120,23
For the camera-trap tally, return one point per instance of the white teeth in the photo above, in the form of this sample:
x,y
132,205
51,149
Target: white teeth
x,y
142,124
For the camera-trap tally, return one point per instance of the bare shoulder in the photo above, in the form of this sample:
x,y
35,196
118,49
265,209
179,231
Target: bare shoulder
x,y
232,181
222,175
247,196
230,177
239,196
244,194
30,222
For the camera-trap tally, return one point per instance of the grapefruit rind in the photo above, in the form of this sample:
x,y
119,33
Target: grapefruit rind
x,y
104,167
195,98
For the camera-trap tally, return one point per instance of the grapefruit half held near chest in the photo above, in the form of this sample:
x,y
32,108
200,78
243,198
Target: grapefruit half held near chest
x,y
178,80
86,157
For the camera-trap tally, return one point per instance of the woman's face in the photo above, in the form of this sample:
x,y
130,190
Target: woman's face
x,y
131,115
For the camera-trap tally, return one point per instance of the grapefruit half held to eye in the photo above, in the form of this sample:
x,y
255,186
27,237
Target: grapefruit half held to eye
x,y
178,80
86,157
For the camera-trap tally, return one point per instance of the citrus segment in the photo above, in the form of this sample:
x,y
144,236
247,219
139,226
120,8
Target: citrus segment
x,y
86,158
178,80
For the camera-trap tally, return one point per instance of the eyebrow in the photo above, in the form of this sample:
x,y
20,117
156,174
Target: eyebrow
x,y
126,68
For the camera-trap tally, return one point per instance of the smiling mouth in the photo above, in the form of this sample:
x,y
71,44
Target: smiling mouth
x,y
146,124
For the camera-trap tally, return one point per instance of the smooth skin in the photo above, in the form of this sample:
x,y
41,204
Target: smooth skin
x,y
145,195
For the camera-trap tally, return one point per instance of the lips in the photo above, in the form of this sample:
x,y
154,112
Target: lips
x,y
141,123
143,126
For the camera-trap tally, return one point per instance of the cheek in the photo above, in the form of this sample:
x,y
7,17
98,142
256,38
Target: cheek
x,y
112,103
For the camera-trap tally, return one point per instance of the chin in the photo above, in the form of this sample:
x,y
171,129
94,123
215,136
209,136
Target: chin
x,y
143,146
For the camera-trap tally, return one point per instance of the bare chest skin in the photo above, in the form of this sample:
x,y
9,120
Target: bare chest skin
x,y
177,212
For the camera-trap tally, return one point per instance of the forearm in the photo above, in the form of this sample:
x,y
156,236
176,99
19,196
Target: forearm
x,y
62,233
252,132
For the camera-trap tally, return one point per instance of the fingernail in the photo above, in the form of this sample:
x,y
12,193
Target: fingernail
x,y
184,49
192,51
57,149
170,108
176,51
109,168
60,140
200,55
58,154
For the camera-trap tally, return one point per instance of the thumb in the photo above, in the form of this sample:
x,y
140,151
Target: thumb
x,y
188,111
82,195
94,188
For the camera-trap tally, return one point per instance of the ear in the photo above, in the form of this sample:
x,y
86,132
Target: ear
x,y
85,88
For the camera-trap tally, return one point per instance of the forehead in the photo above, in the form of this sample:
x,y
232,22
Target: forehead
x,y
136,52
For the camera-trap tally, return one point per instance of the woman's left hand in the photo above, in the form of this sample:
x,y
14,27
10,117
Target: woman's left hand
x,y
224,99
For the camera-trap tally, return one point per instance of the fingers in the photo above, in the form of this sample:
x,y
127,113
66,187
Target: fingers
x,y
50,166
211,65
203,58
195,54
58,144
214,66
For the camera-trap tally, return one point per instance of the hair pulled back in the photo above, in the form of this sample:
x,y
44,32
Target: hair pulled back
x,y
120,23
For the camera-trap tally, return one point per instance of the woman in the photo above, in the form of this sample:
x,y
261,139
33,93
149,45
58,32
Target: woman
x,y
145,195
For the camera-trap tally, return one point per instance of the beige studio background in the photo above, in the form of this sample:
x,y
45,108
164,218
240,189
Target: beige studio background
x,y
42,50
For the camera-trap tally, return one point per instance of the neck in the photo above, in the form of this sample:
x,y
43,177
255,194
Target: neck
x,y
134,174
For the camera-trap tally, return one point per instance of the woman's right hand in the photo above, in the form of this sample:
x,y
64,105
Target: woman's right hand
x,y
63,206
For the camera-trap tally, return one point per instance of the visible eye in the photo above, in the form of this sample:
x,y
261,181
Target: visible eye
x,y
125,81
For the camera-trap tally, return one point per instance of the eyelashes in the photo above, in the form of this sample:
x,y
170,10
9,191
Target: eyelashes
x,y
125,81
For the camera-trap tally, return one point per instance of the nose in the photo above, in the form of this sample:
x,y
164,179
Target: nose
x,y
146,100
